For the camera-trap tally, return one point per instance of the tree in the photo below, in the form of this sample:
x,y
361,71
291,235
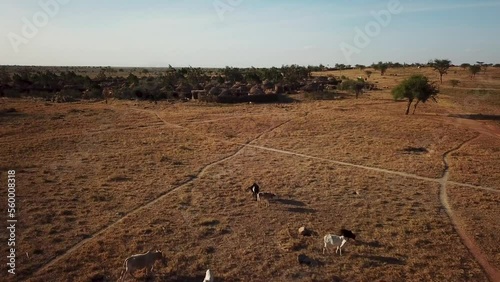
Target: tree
x,y
101,76
368,73
252,76
441,66
233,74
360,67
474,69
454,82
132,79
340,67
353,86
465,66
417,87
4,77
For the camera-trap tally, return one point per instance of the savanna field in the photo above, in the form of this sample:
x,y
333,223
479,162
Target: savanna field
x,y
98,181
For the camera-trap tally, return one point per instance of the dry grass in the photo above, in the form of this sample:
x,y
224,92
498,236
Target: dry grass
x,y
85,167
479,212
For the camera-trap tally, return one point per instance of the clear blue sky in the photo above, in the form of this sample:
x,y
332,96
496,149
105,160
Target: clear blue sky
x,y
252,33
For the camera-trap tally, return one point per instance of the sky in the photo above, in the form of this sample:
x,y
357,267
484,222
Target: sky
x,y
244,33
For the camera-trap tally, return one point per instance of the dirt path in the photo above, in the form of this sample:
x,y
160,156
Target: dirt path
x,y
152,202
459,226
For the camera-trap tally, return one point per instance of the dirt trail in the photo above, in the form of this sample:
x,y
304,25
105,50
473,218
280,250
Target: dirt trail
x,y
459,226
200,173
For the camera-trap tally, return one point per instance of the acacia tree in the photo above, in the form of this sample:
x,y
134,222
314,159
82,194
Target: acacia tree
x,y
474,69
417,87
354,86
465,66
441,66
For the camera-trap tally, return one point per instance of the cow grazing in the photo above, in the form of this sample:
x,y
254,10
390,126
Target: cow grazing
x,y
141,261
347,234
334,240
208,276
255,189
265,196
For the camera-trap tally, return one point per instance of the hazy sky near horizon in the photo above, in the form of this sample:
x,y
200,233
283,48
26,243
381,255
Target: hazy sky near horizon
x,y
258,33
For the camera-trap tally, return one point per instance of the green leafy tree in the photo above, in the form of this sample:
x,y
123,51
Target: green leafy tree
x,y
474,69
454,82
132,79
353,86
233,74
441,66
416,87
252,76
360,67
272,74
380,66
465,66
101,76
340,67
5,77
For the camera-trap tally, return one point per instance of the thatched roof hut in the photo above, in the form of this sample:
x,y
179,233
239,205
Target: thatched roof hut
x,y
225,92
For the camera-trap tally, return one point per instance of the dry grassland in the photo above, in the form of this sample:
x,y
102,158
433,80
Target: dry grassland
x,y
98,183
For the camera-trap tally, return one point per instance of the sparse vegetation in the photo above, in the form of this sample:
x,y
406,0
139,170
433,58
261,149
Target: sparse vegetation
x,y
353,86
128,146
474,69
380,66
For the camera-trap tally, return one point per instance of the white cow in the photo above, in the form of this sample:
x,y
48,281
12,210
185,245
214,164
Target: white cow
x,y
208,276
334,240
141,261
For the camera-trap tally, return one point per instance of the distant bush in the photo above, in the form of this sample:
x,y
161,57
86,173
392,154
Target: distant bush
x,y
321,96
353,86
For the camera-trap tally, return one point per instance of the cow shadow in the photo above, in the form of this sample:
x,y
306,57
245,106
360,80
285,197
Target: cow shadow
x,y
373,244
301,210
380,260
295,206
290,202
476,116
